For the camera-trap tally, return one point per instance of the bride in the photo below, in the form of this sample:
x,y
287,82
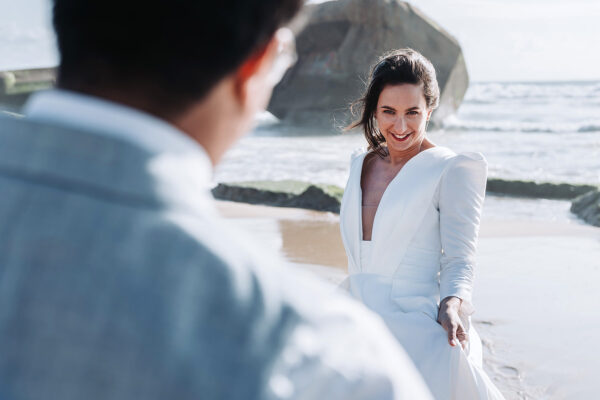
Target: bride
x,y
409,223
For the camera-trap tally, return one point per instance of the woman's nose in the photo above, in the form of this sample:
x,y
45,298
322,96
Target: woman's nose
x,y
400,125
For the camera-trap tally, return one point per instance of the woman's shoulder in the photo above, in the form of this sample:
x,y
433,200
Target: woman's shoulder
x,y
357,153
453,159
463,173
471,157
465,168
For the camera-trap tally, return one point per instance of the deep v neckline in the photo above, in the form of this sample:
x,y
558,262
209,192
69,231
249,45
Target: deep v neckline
x,y
360,197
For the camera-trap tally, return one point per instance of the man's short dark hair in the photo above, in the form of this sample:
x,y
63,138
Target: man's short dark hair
x,y
171,52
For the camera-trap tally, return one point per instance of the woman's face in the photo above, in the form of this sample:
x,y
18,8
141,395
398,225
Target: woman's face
x,y
402,116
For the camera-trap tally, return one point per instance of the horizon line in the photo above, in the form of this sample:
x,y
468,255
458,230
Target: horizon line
x,y
478,81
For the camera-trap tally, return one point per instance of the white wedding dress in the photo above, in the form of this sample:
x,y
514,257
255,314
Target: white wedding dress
x,y
422,250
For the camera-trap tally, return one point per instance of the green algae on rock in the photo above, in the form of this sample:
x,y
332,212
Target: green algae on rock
x,y
541,190
287,193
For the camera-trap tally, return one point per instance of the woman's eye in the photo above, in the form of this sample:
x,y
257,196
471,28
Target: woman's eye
x,y
391,112
413,113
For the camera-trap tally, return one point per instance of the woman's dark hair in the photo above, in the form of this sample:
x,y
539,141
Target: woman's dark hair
x,y
393,68
170,52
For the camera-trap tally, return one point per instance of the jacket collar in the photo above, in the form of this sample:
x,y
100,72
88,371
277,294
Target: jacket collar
x,y
87,145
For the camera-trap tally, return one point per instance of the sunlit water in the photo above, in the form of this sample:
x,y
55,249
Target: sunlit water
x,y
547,132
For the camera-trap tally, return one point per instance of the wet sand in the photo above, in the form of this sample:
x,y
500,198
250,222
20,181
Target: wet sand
x,y
536,292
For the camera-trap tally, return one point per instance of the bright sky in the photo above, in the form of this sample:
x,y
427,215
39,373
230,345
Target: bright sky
x,y
523,40
503,40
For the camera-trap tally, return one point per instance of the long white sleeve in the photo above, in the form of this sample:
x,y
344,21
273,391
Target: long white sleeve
x,y
461,195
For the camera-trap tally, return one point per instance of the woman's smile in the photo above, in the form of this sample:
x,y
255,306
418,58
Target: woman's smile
x,y
400,138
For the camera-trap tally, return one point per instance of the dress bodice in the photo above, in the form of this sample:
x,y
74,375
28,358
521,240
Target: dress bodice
x,y
422,249
424,231
365,252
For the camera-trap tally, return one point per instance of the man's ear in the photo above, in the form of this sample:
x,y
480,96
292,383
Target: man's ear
x,y
258,63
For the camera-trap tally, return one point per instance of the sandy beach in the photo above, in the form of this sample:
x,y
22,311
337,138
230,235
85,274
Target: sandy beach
x,y
535,293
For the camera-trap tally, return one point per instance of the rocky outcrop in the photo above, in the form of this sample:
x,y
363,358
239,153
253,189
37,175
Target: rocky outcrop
x,y
16,86
329,197
562,191
337,47
587,207
282,194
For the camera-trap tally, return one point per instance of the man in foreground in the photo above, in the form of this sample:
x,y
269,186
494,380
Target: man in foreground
x,y
118,279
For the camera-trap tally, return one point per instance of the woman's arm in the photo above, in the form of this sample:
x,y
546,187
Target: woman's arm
x,y
462,191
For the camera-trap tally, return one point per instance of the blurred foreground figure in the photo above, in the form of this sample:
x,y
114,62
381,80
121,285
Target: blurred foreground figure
x,y
117,278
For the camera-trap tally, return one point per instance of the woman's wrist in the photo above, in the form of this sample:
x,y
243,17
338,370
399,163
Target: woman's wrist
x,y
451,302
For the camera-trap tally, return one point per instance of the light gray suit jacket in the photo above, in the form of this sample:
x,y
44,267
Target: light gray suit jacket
x,y
115,285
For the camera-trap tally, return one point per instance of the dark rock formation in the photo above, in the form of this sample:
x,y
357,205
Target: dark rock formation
x,y
251,195
587,207
316,198
329,197
563,191
340,42
282,194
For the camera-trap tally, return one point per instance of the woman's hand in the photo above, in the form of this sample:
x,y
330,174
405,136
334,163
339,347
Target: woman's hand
x,y
450,321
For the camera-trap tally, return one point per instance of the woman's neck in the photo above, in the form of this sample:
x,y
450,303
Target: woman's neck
x,y
399,158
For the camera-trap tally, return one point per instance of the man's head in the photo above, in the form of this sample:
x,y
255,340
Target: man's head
x,y
167,57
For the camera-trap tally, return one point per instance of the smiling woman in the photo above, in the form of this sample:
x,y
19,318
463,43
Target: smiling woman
x,y
409,221
403,88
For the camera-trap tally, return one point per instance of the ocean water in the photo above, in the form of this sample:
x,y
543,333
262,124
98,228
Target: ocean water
x,y
547,132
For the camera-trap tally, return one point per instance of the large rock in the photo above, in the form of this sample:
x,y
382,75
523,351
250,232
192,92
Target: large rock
x,y
337,47
587,207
